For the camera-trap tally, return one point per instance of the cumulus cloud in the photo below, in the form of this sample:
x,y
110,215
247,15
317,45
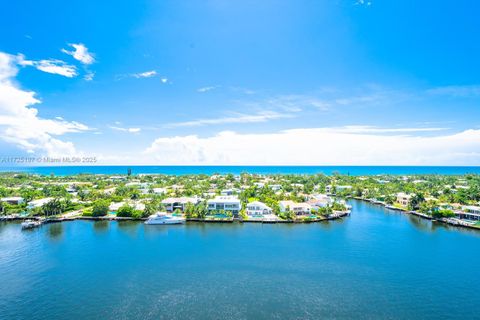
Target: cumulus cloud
x,y
80,52
237,118
320,146
20,123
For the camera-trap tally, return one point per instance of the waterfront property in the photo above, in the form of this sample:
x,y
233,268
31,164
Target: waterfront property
x,y
297,208
38,203
469,213
403,199
257,208
230,204
178,204
13,200
320,200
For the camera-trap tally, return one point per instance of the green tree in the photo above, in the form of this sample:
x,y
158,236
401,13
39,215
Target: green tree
x,y
125,211
100,208
52,208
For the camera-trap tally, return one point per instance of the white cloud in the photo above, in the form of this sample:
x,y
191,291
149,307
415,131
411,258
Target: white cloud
x,y
20,123
363,3
206,89
456,91
320,146
237,118
371,129
297,102
80,53
53,66
141,75
146,74
89,76
130,130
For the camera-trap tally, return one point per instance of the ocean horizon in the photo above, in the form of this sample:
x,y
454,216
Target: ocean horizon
x,y
236,170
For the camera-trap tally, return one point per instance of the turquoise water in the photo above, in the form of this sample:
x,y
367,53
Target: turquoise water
x,y
182,170
376,264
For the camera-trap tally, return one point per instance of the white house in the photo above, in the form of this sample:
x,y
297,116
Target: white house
x,y
275,187
320,200
469,213
224,203
258,208
229,192
259,185
172,204
159,190
12,200
297,208
403,198
38,203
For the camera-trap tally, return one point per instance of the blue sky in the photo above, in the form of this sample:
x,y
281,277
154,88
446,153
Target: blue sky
x,y
242,82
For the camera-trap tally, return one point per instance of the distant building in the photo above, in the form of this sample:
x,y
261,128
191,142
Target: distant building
x,y
320,200
334,189
38,203
275,187
258,208
297,208
224,203
469,213
404,199
259,185
173,204
229,192
13,200
159,190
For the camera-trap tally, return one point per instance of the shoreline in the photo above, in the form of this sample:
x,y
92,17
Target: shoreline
x,y
337,216
454,223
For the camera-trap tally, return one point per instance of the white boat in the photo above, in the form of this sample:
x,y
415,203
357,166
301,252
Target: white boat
x,y
30,224
164,218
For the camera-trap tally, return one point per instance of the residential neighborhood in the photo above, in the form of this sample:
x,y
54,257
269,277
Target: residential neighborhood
x,y
244,197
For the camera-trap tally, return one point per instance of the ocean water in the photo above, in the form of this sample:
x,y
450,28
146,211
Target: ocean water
x,y
182,170
375,264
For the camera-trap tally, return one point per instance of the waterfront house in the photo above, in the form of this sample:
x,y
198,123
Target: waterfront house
x,y
114,206
320,200
173,204
297,208
12,200
403,198
469,213
224,203
258,208
38,203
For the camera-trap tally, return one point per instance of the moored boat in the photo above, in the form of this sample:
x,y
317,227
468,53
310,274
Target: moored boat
x,y
164,218
30,224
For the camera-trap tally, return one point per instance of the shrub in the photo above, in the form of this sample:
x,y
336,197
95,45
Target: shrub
x,y
100,208
125,211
